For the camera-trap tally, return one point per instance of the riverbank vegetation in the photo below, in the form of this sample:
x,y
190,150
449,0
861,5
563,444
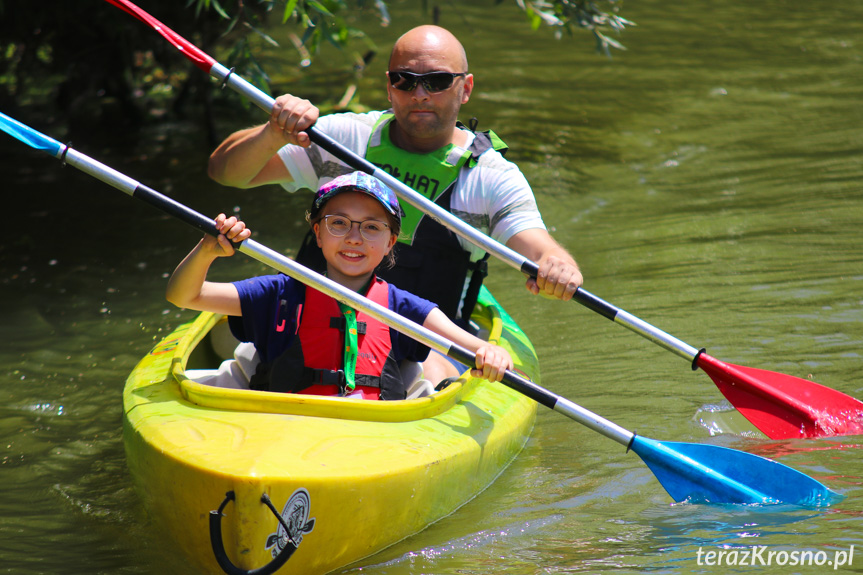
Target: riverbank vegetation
x,y
89,62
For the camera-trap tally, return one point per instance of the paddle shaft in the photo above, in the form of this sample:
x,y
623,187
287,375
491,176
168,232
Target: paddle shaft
x,y
780,405
325,285
687,471
442,216
266,102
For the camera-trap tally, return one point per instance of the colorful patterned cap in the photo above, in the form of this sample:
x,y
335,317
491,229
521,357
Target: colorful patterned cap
x,y
358,182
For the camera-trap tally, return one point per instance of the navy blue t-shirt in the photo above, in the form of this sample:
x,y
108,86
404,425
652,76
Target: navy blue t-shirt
x,y
270,308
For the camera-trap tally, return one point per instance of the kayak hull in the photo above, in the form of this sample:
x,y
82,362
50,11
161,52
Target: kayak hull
x,y
348,477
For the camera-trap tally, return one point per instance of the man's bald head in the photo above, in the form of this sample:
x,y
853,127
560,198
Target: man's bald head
x,y
426,120
426,46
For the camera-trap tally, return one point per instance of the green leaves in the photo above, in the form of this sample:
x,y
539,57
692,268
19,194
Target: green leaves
x,y
207,4
315,21
570,14
290,6
41,47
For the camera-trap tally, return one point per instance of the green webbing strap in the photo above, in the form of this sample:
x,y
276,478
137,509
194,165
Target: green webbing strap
x,y
351,346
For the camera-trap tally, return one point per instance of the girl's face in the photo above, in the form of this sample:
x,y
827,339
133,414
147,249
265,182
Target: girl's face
x,y
351,259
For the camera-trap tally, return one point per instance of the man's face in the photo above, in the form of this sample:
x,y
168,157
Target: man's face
x,y
424,115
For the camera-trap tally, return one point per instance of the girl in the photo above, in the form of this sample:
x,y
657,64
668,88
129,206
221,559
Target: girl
x,y
308,341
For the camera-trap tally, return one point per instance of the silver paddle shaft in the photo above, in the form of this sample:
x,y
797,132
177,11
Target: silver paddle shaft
x,y
325,285
440,215
463,229
431,339
655,335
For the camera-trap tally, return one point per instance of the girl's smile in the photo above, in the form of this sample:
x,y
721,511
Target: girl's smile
x,y
351,258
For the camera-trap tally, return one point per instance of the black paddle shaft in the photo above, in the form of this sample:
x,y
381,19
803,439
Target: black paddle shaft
x,y
176,209
528,267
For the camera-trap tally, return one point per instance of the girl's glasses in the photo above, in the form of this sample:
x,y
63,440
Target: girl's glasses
x,y
371,230
433,81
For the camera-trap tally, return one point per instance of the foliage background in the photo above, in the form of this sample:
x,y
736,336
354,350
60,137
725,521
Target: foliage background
x,y
83,62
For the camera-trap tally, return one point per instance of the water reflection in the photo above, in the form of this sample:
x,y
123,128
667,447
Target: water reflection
x,y
682,530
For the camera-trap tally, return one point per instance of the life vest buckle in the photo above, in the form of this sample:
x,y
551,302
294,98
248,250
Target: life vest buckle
x,y
339,324
329,377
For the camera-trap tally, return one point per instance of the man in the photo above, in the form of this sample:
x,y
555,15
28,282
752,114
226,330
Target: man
x,y
420,143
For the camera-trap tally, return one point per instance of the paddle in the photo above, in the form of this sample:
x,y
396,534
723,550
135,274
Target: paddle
x,y
781,406
688,471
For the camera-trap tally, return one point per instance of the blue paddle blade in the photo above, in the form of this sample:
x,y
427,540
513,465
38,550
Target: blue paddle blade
x,y
29,136
711,474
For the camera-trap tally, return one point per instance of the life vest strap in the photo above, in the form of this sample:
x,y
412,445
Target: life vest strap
x,y
339,324
324,377
479,273
313,376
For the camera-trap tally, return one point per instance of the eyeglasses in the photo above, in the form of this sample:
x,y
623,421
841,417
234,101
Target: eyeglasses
x,y
371,230
433,81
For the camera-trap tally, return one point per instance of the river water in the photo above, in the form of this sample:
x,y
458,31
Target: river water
x,y
708,180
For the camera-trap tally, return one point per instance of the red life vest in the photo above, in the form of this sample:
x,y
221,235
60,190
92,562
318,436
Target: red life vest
x,y
433,265
314,361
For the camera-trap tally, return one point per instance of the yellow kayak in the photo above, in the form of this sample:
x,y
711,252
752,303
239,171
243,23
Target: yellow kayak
x,y
244,480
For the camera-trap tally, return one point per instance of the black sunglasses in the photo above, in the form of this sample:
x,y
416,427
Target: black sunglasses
x,y
432,81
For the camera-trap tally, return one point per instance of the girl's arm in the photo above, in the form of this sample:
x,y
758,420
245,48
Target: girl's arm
x,y
491,360
188,287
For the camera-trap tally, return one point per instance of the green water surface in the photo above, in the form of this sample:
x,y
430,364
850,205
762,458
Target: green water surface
x,y
709,180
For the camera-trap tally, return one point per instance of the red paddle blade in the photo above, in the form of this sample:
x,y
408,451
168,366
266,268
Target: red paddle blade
x,y
782,406
192,52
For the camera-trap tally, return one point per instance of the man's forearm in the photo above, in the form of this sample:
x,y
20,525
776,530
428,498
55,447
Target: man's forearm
x,y
243,156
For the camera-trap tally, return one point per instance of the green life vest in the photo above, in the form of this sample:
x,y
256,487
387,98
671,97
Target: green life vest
x,y
430,261
429,174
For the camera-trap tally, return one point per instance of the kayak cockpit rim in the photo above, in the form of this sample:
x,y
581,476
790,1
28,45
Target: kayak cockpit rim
x,y
312,405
